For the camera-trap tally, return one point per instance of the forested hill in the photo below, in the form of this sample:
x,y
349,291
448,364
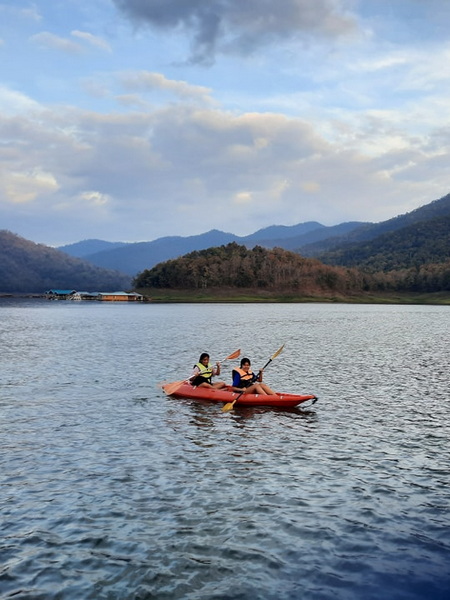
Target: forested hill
x,y
360,237
27,267
235,266
426,242
281,271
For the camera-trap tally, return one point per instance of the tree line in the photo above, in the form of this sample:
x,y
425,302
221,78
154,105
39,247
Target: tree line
x,y
236,266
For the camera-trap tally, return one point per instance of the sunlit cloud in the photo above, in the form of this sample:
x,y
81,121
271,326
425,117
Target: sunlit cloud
x,y
51,41
92,39
93,198
243,198
26,187
146,81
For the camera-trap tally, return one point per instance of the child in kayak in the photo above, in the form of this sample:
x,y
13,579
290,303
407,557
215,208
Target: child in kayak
x,y
244,380
203,372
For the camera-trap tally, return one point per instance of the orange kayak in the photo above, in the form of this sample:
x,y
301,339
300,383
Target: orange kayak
x,y
225,395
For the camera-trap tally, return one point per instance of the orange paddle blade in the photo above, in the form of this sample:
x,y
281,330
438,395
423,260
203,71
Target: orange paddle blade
x,y
234,355
171,388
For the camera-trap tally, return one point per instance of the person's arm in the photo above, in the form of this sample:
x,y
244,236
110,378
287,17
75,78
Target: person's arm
x,y
259,377
195,372
216,369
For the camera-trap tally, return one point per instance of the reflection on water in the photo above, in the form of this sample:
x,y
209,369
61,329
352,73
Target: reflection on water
x,y
112,490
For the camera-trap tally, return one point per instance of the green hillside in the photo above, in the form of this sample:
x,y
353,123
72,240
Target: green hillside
x,y
235,266
412,246
365,233
250,271
28,267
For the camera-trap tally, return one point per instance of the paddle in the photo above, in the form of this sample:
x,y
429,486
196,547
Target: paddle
x,y
173,387
229,405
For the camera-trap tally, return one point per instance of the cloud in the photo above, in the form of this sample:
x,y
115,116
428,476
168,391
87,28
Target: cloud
x,y
25,187
95,198
92,39
151,173
45,39
145,81
13,102
240,26
30,13
49,40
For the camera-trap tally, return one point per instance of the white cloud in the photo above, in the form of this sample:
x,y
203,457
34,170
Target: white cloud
x,y
13,102
146,81
25,187
94,198
92,39
49,40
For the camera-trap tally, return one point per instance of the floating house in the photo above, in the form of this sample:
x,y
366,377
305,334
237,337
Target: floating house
x,y
84,296
59,294
103,296
120,297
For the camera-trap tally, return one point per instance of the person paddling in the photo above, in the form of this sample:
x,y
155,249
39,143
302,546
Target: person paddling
x,y
245,381
204,371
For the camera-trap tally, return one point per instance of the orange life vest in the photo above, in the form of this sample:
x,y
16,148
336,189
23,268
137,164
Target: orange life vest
x,y
247,377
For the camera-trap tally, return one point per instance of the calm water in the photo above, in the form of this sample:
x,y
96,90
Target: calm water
x,y
110,490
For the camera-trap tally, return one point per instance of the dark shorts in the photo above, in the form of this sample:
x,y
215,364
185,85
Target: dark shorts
x,y
246,384
199,379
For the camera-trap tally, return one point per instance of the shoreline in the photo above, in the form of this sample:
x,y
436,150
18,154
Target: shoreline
x,y
252,296
257,297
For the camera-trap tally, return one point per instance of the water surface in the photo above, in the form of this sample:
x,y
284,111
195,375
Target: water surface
x,y
110,490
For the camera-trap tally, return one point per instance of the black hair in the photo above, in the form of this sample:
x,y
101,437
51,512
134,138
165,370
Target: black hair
x,y
245,360
202,356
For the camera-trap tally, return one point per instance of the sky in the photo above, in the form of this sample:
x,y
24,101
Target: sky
x,y
130,120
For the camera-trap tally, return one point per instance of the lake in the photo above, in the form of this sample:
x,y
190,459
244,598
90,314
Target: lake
x,y
112,491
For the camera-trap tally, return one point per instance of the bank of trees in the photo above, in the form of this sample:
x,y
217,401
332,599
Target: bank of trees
x,y
235,266
239,267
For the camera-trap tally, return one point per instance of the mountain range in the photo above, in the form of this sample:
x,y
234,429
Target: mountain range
x,y
132,258
416,237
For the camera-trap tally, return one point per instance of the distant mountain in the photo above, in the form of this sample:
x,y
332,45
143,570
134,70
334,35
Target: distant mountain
x,y
370,231
426,242
310,239
411,240
132,258
34,268
281,232
86,247
297,243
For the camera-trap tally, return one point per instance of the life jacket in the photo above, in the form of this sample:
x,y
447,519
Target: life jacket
x,y
247,377
205,372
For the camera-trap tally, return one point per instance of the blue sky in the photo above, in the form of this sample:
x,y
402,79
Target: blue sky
x,y
129,120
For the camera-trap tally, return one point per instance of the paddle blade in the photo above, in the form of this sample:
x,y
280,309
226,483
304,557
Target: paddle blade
x,y
171,388
228,406
234,355
279,351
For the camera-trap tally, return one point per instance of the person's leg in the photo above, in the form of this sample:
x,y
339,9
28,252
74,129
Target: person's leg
x,y
255,388
219,385
267,389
